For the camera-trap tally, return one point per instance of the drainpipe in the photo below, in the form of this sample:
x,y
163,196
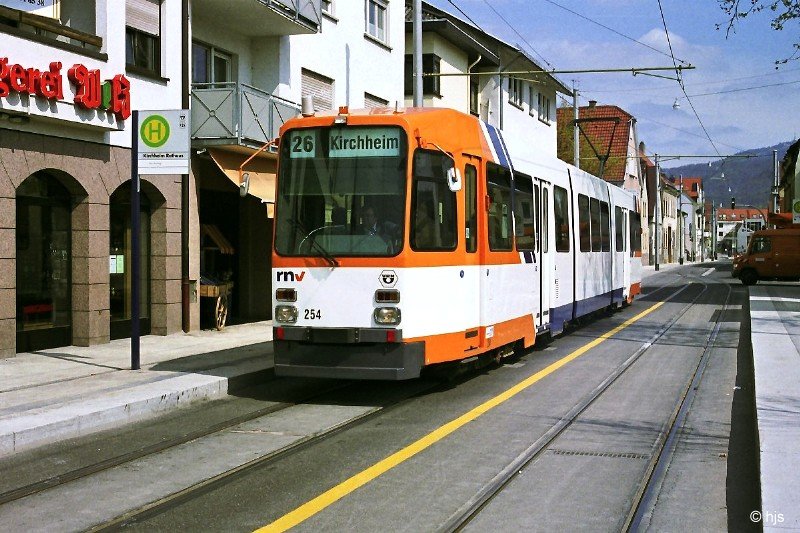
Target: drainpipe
x,y
418,102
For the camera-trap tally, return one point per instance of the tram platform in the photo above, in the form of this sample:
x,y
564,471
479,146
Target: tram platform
x,y
775,336
57,394
53,395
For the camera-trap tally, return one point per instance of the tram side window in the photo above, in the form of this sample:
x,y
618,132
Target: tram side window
x,y
594,213
471,203
523,213
584,223
636,232
561,218
498,187
433,203
619,227
545,219
605,227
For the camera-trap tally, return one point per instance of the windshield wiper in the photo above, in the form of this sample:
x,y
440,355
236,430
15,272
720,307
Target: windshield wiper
x,y
325,254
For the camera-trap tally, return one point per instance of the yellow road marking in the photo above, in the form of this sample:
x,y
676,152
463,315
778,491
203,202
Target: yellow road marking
x,y
312,507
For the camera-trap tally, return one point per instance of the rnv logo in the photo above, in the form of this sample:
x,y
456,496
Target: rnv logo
x,y
288,275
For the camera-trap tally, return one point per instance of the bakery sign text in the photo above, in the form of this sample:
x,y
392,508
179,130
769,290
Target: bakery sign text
x,y
90,91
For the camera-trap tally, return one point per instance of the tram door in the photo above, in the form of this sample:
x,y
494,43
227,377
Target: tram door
x,y
543,192
473,340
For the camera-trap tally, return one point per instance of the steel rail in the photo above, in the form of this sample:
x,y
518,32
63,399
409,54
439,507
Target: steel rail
x,y
472,508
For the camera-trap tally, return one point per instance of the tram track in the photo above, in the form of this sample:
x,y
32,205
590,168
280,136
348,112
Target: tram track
x,y
648,487
151,449
178,498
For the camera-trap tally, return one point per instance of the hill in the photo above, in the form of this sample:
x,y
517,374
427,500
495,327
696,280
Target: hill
x,y
750,179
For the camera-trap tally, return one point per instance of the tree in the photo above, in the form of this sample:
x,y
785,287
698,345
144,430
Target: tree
x,y
784,11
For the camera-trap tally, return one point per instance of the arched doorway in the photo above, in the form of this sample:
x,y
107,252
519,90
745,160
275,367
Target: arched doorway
x,y
120,278
44,273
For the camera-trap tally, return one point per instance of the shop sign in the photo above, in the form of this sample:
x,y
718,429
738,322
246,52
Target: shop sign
x,y
43,8
90,91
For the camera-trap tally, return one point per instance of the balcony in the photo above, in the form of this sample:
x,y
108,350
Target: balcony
x,y
261,18
235,114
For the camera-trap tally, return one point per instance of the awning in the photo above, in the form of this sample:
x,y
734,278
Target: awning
x,y
262,172
217,238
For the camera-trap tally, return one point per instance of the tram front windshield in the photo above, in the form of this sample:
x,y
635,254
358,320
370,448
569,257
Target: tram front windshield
x,y
341,191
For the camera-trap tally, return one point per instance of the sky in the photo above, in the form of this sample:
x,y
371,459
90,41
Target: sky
x,y
734,121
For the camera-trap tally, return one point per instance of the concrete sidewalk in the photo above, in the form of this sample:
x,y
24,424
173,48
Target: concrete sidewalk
x,y
775,336
61,393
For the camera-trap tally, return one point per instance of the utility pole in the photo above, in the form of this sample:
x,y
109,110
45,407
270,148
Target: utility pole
x,y
418,101
575,132
775,182
681,235
657,212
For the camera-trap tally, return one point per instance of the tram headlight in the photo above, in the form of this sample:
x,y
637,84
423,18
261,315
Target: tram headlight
x,y
286,295
285,314
387,315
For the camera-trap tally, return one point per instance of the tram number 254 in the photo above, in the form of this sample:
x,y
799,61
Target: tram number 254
x,y
313,314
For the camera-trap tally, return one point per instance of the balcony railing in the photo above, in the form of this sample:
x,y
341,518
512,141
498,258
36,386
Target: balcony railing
x,y
310,10
256,18
237,114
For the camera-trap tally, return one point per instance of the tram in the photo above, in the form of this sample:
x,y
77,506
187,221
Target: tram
x,y
411,238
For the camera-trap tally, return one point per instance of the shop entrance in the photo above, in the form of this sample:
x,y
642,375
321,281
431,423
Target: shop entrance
x,y
44,273
120,279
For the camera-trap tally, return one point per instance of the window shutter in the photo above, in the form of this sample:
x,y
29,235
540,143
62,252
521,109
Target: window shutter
x,y
371,101
318,86
143,15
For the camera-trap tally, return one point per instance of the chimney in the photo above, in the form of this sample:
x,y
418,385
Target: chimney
x,y
592,103
642,148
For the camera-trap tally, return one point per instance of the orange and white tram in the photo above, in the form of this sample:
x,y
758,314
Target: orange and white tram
x,y
405,239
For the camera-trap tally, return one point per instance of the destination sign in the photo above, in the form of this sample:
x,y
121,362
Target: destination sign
x,y
346,142
364,142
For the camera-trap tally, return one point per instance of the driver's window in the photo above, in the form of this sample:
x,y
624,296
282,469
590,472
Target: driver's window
x,y
761,245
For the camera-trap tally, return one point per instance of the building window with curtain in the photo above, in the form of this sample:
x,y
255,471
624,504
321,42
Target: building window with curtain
x,y
377,20
143,36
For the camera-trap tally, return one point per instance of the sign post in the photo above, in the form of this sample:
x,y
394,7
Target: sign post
x,y
160,145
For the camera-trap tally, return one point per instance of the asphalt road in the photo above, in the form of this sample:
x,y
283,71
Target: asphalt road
x,y
422,450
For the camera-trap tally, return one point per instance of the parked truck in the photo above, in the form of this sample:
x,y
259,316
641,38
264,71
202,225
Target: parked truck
x,y
772,254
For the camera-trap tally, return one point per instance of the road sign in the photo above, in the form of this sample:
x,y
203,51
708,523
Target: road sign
x,y
162,142
796,211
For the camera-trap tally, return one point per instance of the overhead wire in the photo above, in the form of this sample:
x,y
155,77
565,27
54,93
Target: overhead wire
x,y
653,48
518,34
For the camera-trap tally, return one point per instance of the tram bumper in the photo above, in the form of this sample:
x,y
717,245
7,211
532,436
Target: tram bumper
x,y
345,353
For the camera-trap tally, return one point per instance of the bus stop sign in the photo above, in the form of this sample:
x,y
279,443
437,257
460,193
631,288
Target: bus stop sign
x,y
162,143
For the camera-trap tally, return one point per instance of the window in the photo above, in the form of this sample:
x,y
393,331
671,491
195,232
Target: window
x,y
605,228
210,65
327,7
561,218
471,211
584,223
544,108
498,187
371,101
545,219
515,88
474,96
142,35
761,245
524,212
636,232
619,227
430,65
378,19
594,215
319,87
433,204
